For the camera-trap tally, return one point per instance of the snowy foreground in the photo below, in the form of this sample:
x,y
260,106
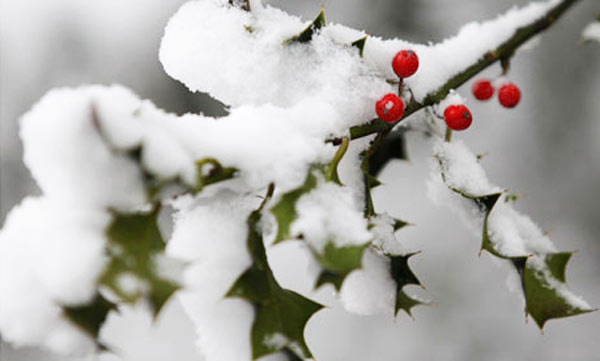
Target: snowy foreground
x,y
99,152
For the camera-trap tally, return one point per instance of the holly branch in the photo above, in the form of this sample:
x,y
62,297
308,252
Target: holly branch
x,y
502,53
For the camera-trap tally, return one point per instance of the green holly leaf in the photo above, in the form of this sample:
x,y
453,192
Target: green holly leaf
x,y
370,180
405,302
546,295
90,317
210,171
392,147
403,276
542,275
338,263
399,224
285,210
360,45
280,315
134,242
307,34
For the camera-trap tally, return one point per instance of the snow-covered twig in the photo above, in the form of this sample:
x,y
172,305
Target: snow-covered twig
x,y
502,53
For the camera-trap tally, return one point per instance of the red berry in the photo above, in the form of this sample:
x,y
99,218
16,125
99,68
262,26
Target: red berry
x,y
458,117
509,95
482,89
390,108
405,63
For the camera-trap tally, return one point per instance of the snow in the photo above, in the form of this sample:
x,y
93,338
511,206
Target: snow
x,y
206,47
210,234
67,155
284,102
511,233
327,68
50,255
384,238
515,234
441,61
370,290
462,170
592,32
538,263
329,213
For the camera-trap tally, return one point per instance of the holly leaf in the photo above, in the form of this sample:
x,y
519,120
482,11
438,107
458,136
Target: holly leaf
x,y
403,276
360,45
307,34
134,242
405,302
546,294
210,171
90,317
285,210
542,275
338,263
392,147
280,315
399,224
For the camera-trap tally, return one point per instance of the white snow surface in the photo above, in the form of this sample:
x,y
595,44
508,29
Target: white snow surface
x,y
512,233
384,235
50,256
239,57
370,290
284,102
67,156
591,32
210,233
75,158
329,213
207,47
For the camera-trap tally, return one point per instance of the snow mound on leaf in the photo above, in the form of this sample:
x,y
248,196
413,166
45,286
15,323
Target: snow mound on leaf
x,y
210,233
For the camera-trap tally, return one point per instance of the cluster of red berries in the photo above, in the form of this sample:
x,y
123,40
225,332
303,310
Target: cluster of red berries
x,y
458,117
390,108
508,94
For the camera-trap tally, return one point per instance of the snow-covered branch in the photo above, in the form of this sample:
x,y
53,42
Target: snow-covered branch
x,y
495,48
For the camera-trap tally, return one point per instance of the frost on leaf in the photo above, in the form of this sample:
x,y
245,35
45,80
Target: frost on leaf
x,y
507,234
546,293
280,315
134,242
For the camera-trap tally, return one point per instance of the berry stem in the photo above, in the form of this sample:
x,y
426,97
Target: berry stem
x,y
521,36
448,136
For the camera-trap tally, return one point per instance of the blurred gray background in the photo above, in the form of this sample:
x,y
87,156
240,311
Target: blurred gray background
x,y
547,149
